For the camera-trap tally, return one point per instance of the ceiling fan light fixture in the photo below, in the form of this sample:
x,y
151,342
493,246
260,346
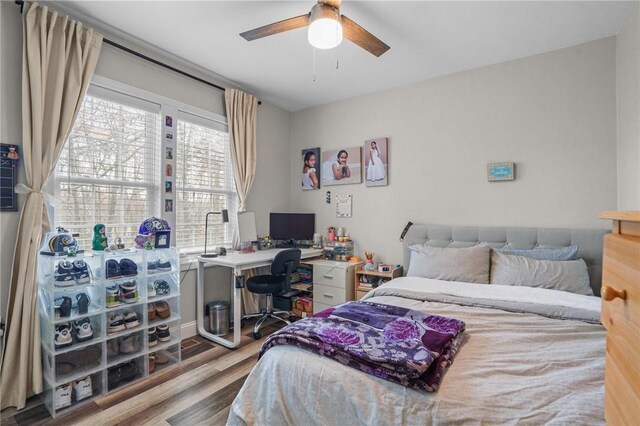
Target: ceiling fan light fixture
x,y
325,27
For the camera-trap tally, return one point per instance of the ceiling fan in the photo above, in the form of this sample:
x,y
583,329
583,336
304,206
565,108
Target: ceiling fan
x,y
327,27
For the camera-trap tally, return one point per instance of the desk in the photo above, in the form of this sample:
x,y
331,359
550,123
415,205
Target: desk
x,y
238,262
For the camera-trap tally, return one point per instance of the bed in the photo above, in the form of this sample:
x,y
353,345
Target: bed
x,y
531,355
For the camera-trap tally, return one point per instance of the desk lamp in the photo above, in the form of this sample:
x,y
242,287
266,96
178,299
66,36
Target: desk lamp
x,y
225,219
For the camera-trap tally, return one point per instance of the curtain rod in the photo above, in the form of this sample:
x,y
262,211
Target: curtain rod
x,y
149,59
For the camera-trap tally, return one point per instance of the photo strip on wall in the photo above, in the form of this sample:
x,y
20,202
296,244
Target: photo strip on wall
x,y
168,160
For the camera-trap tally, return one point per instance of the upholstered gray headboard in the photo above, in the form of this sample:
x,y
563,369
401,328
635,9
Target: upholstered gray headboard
x,y
589,241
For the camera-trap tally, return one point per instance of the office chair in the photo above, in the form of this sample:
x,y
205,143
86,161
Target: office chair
x,y
284,263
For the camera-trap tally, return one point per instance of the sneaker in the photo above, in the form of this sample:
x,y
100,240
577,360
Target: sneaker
x,y
153,337
121,374
113,348
152,267
151,290
151,311
113,269
115,322
129,292
62,396
83,303
163,333
82,388
161,287
62,307
161,358
81,271
152,362
130,318
163,310
63,274
128,268
63,337
130,344
164,266
113,295
83,330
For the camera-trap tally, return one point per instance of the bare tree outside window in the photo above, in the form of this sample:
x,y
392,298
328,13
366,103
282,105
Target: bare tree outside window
x,y
204,182
108,171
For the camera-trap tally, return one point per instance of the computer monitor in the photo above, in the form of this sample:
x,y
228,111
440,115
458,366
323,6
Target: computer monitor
x,y
292,226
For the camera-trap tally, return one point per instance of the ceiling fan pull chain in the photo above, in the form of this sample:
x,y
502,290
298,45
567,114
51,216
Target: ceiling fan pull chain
x,y
338,39
314,64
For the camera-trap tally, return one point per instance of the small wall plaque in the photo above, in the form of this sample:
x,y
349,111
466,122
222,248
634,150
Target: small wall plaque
x,y
500,171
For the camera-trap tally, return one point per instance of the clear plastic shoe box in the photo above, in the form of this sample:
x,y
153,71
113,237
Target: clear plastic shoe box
x,y
82,361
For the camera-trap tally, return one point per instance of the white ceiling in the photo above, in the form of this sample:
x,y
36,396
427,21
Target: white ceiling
x,y
427,39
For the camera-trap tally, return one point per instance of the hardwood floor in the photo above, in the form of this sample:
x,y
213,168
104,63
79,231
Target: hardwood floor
x,y
198,390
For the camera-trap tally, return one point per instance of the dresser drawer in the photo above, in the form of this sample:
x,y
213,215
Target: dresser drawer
x,y
328,295
621,271
329,275
622,405
319,307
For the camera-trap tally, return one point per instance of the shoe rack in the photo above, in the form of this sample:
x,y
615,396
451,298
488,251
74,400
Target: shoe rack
x,y
121,350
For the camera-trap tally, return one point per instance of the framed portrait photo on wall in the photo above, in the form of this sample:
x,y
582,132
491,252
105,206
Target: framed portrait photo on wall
x,y
342,166
376,159
310,169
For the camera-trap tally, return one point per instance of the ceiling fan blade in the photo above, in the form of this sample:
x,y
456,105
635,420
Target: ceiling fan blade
x,y
362,37
332,3
276,27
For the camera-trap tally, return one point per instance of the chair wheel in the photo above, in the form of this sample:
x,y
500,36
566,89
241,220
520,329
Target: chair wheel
x,y
293,318
257,335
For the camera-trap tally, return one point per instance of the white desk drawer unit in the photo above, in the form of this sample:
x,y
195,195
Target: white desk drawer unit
x,y
332,283
328,295
333,276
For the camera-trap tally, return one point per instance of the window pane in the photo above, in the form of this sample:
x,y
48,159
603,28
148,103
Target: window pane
x,y
108,171
205,183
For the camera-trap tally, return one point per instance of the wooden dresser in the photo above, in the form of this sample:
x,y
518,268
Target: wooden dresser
x,y
621,317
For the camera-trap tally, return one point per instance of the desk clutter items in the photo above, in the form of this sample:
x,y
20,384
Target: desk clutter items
x,y
369,265
338,245
108,317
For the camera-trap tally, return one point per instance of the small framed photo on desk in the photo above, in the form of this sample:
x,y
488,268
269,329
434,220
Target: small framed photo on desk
x,y
162,239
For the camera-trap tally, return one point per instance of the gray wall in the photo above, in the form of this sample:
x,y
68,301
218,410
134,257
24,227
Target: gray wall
x,y
273,138
10,129
553,114
628,55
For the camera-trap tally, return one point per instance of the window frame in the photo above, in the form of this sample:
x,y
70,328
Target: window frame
x,y
120,92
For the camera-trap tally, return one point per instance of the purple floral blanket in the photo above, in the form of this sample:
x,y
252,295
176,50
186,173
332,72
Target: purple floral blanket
x,y
408,347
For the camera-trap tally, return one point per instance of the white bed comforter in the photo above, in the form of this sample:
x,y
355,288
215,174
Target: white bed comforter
x,y
516,367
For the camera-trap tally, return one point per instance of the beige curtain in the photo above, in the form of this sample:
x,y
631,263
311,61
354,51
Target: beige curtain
x,y
242,110
58,60
241,117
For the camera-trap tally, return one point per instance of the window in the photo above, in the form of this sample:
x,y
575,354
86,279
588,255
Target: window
x,y
108,171
204,183
112,169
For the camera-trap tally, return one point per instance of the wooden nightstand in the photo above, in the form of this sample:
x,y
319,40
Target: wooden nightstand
x,y
372,275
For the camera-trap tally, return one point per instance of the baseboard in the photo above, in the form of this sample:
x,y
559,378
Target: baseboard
x,y
188,329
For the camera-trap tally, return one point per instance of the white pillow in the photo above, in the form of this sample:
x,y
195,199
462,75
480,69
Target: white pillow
x,y
469,264
569,275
